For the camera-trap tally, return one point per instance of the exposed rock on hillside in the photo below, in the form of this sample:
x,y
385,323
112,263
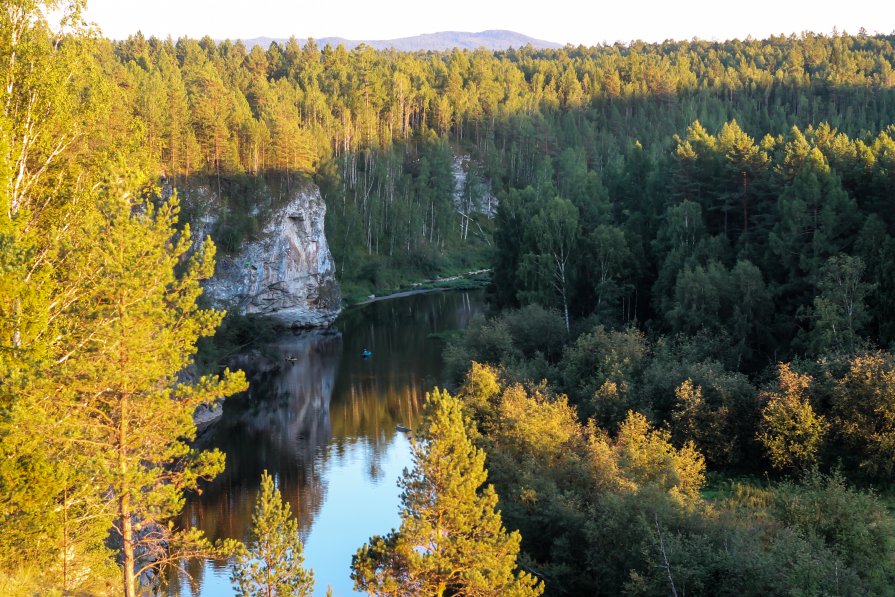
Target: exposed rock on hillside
x,y
287,273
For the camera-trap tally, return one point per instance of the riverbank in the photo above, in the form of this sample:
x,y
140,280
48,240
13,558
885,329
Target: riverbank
x,y
240,333
464,281
325,424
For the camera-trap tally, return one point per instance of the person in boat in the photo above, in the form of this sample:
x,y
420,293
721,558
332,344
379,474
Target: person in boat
x,y
366,354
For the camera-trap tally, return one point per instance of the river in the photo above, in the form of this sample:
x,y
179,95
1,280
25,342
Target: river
x,y
324,425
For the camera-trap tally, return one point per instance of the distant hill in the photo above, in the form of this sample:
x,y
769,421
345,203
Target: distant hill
x,y
494,39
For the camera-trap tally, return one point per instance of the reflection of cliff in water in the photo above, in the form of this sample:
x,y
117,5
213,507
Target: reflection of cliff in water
x,y
372,396
278,425
325,426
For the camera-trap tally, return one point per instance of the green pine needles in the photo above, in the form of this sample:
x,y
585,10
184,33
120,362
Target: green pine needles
x,y
452,540
271,565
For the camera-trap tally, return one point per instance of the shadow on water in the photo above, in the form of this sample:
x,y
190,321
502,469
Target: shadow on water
x,y
322,420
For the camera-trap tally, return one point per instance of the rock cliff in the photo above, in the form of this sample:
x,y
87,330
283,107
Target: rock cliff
x,y
287,271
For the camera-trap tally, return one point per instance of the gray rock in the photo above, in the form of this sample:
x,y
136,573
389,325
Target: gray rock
x,y
287,273
206,415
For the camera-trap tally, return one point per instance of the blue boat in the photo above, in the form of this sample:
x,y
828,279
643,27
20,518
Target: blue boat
x,y
366,354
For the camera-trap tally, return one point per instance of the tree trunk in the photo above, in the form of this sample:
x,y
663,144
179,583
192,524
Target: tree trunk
x,y
565,308
560,285
124,506
65,546
565,300
127,537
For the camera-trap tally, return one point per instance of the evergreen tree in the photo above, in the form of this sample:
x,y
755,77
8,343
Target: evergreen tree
x,y
127,335
513,213
451,540
52,513
272,564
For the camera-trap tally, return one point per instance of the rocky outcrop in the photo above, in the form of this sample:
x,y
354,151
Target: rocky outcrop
x,y
287,272
207,415
472,193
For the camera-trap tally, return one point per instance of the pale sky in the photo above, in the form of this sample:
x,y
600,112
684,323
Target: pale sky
x,y
563,21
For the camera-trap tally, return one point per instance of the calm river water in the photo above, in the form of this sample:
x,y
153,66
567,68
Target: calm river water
x,y
324,426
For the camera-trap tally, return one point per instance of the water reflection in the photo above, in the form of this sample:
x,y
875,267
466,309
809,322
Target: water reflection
x,y
322,419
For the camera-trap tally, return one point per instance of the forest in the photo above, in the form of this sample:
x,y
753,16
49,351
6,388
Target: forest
x,y
377,131
686,383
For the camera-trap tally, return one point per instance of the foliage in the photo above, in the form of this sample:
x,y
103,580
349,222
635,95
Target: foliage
x,y
603,515
648,458
774,155
130,334
863,413
696,211
840,310
99,320
791,432
601,365
271,565
451,540
553,232
851,522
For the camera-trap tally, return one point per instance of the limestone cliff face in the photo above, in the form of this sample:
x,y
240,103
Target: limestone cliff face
x,y
288,272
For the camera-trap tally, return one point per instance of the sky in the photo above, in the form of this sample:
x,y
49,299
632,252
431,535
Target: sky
x,y
587,22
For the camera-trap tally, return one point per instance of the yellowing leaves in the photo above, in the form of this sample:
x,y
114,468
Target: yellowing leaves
x,y
791,431
535,426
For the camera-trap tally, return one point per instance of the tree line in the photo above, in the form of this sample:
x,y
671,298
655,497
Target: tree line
x,y
624,501
376,128
781,246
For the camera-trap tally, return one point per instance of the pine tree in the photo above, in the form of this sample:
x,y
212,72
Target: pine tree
x,y
51,512
127,336
272,564
451,540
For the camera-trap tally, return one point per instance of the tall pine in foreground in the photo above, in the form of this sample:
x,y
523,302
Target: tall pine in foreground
x,y
58,496
272,564
451,540
119,387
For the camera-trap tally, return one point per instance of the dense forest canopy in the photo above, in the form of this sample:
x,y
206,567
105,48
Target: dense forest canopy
x,y
295,106
693,278
690,174
604,122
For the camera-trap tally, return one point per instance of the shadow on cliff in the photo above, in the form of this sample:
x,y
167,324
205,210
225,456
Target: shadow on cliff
x,y
234,208
274,258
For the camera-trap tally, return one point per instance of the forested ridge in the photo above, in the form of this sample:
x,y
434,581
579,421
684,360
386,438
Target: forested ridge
x,y
375,126
685,386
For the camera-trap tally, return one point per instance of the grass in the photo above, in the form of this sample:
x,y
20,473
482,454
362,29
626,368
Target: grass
x,y
721,487
352,295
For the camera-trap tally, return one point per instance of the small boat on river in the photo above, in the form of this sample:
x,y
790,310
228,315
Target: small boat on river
x,y
366,354
402,428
